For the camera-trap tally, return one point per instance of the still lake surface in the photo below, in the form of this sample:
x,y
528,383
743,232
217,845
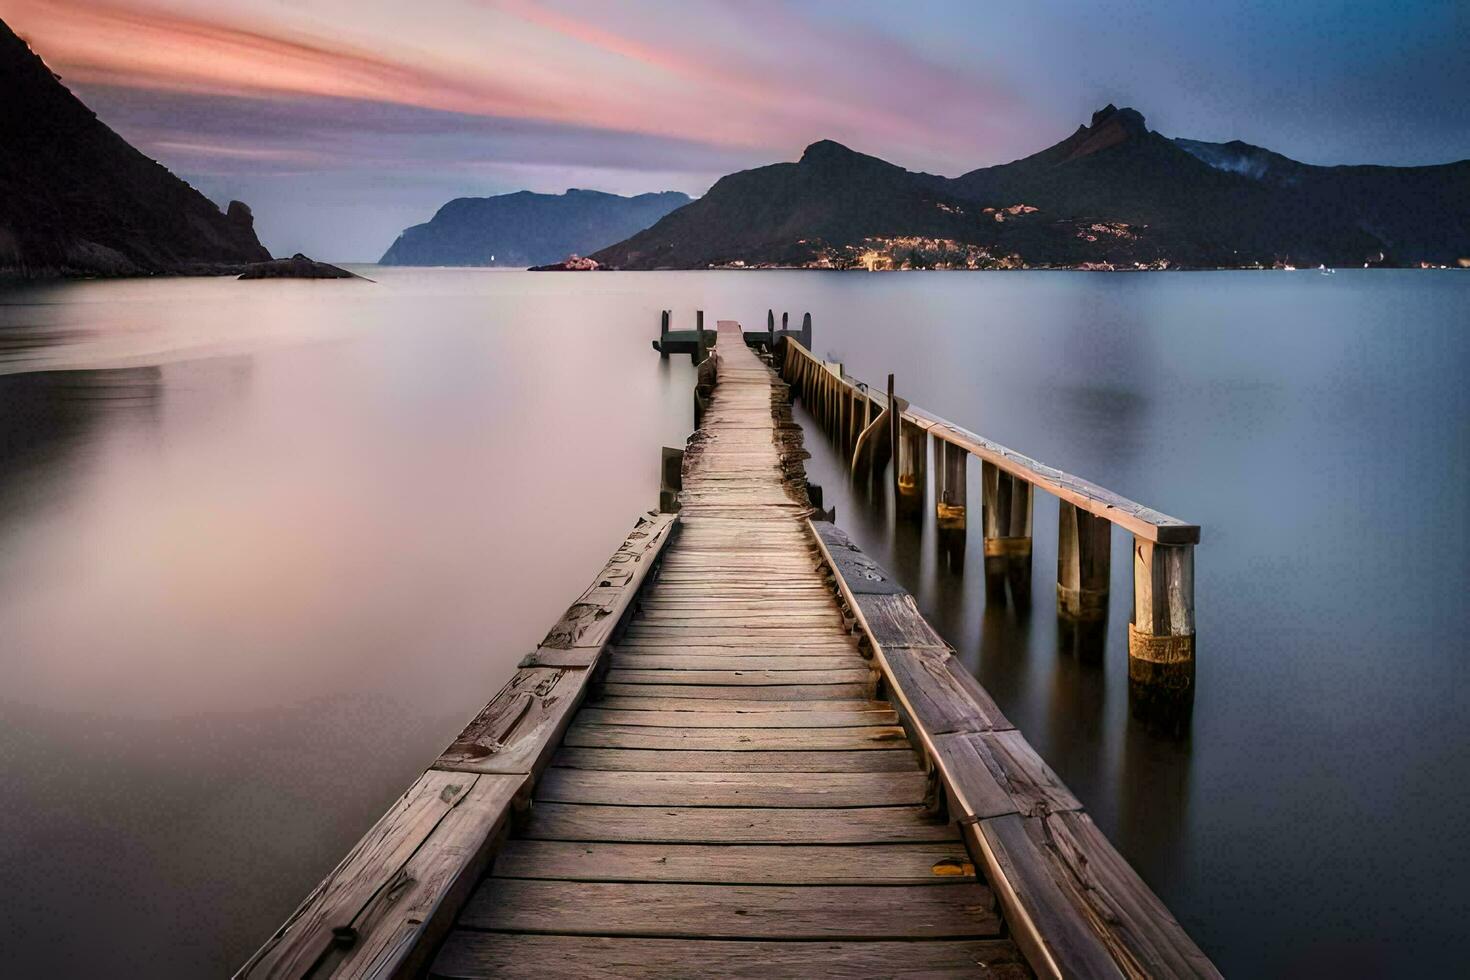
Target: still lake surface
x,y
265,547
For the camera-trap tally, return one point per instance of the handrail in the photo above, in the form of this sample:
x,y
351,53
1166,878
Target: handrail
x,y
1161,631
1142,521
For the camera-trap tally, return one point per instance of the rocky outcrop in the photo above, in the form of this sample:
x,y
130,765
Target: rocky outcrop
x,y
77,199
525,229
297,266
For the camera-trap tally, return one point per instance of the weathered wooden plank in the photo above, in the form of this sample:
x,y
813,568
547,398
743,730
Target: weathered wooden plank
x,y
733,739
938,863
590,620
398,888
518,730
935,690
751,661
724,789
733,911
782,692
740,678
734,825
895,621
811,718
1138,930
469,955
899,759
625,703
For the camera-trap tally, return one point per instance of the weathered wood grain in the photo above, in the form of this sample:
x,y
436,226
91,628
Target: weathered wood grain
x,y
723,789
734,739
899,759
813,718
473,955
520,727
937,863
734,825
780,692
590,620
400,886
739,678
733,911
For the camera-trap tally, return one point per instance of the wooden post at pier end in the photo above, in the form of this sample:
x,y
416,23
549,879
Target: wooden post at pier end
x,y
1084,546
806,329
1161,633
663,334
771,330
699,332
1006,516
949,487
911,465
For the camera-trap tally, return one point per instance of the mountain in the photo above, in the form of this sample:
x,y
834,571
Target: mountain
x,y
76,198
1113,194
525,229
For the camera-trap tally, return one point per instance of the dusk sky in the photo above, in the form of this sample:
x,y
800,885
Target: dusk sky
x,y
343,121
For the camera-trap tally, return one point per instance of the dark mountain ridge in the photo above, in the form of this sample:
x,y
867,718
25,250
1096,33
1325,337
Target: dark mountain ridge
x,y
78,199
1114,193
525,229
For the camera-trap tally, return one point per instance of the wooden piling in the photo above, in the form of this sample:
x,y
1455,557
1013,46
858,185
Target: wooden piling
x,y
893,417
1007,520
949,488
911,465
771,329
663,334
1161,633
703,340
1084,544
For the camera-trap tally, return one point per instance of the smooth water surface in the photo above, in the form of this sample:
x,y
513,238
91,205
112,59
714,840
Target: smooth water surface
x,y
266,546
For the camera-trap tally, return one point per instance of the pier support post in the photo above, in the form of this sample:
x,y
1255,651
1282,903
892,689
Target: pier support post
x,y
1007,519
911,465
663,334
1084,546
949,487
1161,633
893,417
699,332
771,329
806,329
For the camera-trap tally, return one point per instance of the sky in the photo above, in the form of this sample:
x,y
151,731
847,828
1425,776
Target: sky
x,y
341,122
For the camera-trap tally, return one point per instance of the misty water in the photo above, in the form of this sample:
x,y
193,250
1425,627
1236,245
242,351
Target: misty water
x,y
265,547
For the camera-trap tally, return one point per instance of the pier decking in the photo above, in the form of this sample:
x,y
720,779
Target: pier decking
x,y
742,752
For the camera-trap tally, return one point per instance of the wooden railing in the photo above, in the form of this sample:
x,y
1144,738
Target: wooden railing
x,y
876,428
382,911
1073,904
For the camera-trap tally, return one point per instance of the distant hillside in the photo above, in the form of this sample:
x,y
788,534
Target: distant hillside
x,y
76,198
525,229
1113,194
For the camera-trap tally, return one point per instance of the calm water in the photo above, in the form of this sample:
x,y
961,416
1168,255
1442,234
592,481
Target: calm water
x,y
265,547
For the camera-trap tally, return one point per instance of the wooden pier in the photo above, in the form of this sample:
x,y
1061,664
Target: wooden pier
x,y
741,752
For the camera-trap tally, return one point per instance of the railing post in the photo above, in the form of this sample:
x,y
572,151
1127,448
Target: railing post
x,y
1084,546
699,333
1007,520
663,335
1161,633
771,329
913,452
949,487
806,329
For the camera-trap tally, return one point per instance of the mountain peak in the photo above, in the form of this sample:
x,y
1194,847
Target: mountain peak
x,y
826,151
1110,127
